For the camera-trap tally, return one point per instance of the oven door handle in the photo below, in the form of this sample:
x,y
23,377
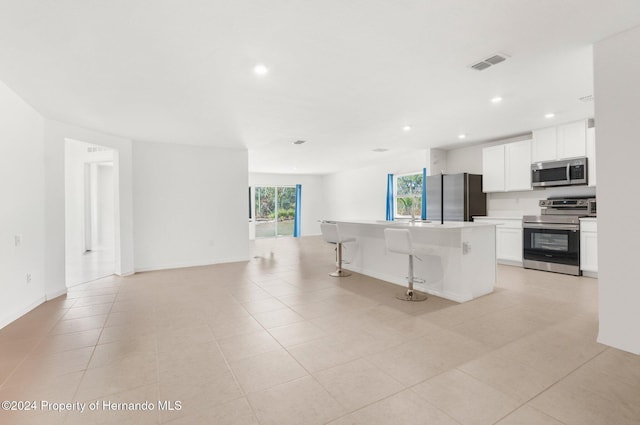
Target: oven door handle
x,y
551,226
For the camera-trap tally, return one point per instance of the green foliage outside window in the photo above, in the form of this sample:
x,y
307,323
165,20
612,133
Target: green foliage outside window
x,y
265,202
409,195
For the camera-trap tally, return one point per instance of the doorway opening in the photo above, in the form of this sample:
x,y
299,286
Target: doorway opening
x,y
275,208
91,194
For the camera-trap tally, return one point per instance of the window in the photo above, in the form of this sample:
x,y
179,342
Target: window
x,y
408,195
274,211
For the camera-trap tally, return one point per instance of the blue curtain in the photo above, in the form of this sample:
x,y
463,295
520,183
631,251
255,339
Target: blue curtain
x,y
296,217
390,197
424,194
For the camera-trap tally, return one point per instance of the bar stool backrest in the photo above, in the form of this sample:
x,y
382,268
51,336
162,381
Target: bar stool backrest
x,y
330,232
398,241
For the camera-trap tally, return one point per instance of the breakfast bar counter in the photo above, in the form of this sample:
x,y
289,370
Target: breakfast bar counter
x,y
458,263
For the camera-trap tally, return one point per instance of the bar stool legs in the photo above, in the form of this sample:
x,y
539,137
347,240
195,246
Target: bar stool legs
x,y
400,242
339,271
332,234
410,294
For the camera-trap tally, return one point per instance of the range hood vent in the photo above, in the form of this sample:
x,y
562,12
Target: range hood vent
x,y
490,61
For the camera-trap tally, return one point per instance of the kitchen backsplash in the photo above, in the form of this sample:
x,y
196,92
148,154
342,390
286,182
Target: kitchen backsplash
x,y
517,204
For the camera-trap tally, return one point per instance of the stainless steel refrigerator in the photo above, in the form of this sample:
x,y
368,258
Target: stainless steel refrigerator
x,y
462,195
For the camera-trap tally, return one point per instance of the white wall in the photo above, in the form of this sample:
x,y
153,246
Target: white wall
x,y
617,90
313,196
32,181
22,184
360,193
104,206
191,205
56,134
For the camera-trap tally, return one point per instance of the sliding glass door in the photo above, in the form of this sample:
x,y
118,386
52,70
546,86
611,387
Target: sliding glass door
x,y
274,211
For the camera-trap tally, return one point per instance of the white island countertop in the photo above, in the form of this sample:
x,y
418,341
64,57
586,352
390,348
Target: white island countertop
x,y
415,224
460,265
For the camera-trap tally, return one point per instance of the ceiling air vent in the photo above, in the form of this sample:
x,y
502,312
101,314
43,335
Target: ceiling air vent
x,y
481,65
495,59
492,60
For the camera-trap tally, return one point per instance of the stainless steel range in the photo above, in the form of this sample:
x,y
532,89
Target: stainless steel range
x,y
552,239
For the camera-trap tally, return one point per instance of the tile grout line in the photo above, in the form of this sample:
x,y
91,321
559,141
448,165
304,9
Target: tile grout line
x,y
84,372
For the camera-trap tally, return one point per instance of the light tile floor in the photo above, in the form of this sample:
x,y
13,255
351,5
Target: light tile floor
x,y
89,266
277,341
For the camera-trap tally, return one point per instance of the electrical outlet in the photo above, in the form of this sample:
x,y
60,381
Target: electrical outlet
x,y
17,240
28,277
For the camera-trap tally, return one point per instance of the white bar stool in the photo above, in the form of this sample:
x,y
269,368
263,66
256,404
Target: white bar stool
x,y
400,242
331,234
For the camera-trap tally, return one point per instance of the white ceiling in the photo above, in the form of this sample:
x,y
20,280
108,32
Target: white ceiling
x,y
345,75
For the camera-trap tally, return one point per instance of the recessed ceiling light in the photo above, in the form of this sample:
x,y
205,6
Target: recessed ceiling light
x,y
260,69
299,142
549,115
496,99
406,128
462,136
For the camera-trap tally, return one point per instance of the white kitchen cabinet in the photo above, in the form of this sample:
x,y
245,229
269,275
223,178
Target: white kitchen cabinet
x,y
589,247
518,166
561,142
572,140
509,245
544,146
493,163
507,167
591,156
508,239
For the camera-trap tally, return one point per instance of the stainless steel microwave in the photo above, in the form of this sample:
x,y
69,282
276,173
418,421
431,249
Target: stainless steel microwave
x,y
566,172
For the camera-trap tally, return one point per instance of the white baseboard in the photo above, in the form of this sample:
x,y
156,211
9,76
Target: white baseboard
x,y
509,263
19,312
55,294
190,264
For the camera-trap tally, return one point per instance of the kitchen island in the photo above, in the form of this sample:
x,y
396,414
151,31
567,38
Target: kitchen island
x,y
459,260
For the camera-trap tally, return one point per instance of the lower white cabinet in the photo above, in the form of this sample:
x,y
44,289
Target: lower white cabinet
x,y
508,238
589,246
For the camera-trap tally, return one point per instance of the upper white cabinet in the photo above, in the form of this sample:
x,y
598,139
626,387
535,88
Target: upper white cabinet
x,y
591,156
545,145
561,142
507,167
493,177
572,140
518,165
